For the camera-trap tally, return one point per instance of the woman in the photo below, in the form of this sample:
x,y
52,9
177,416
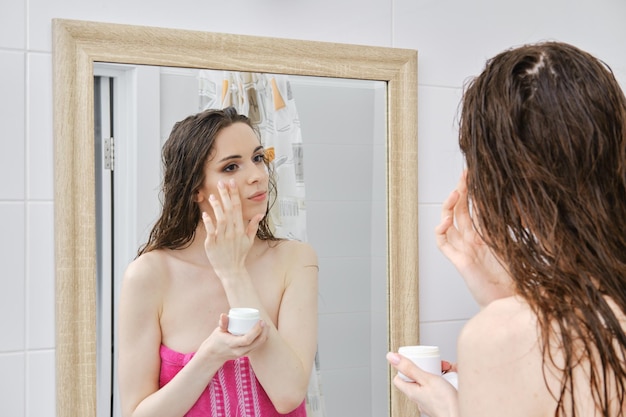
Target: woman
x,y
211,250
537,229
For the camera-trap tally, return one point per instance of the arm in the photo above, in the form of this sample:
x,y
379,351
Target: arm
x,y
500,369
139,344
284,363
140,341
483,274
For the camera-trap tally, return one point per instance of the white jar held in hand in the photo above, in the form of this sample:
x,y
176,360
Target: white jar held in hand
x,y
241,320
425,357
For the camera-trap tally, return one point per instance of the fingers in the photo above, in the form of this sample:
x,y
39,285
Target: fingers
x,y
461,208
223,322
223,344
219,224
253,226
257,330
231,202
226,211
447,208
222,208
208,226
445,229
230,213
252,340
407,368
448,367
455,218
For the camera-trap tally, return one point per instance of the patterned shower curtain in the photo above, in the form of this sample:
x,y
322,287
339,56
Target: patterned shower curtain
x,y
268,101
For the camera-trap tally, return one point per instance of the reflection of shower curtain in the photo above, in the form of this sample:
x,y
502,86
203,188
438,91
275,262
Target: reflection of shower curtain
x,y
268,101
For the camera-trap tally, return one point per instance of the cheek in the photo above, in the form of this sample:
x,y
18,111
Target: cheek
x,y
208,187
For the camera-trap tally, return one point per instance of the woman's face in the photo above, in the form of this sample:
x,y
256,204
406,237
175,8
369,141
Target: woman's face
x,y
237,155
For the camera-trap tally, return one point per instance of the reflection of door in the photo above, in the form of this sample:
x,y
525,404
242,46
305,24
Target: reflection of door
x,y
124,210
127,104
103,123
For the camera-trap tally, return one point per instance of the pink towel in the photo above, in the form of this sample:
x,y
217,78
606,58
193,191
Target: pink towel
x,y
234,390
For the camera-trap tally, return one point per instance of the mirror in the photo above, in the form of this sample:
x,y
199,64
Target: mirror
x,y
78,45
341,123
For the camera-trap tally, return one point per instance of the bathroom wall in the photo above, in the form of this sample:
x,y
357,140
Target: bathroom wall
x,y
453,39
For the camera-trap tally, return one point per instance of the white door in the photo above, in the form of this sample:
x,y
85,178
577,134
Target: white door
x,y
127,151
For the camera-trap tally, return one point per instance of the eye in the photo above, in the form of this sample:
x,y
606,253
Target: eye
x,y
259,158
230,167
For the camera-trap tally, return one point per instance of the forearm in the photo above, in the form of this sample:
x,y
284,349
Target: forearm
x,y
282,370
180,394
282,373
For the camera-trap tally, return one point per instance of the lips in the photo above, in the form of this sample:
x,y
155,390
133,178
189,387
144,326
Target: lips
x,y
258,196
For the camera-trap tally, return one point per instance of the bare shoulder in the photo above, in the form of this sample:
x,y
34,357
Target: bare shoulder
x,y
505,321
500,357
147,273
500,335
297,254
299,264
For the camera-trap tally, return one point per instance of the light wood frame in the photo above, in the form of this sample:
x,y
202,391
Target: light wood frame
x,y
78,44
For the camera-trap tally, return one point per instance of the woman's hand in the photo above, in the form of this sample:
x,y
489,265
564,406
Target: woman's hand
x,y
228,239
457,239
448,367
224,346
434,396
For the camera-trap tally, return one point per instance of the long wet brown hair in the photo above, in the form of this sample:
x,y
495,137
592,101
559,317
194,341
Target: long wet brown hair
x,y
184,157
543,131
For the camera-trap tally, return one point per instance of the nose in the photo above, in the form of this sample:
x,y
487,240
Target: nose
x,y
257,173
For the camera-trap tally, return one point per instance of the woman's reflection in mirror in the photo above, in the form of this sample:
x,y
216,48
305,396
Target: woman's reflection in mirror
x,y
212,249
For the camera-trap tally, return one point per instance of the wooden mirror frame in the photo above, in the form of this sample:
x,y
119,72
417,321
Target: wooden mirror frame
x,y
78,44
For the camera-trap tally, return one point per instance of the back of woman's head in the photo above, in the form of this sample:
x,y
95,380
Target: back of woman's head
x,y
543,131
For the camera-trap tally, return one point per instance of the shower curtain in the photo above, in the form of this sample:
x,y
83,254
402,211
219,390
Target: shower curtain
x,y
268,101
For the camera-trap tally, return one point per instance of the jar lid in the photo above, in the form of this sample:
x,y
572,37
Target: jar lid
x,y
419,350
244,313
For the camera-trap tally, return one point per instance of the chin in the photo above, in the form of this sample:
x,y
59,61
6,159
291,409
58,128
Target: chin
x,y
249,216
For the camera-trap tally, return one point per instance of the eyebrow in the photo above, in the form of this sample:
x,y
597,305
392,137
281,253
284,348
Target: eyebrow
x,y
258,148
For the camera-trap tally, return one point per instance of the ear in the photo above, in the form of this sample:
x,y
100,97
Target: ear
x,y
198,196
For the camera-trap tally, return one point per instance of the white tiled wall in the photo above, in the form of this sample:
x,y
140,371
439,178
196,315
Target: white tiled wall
x,y
453,38
342,152
13,145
